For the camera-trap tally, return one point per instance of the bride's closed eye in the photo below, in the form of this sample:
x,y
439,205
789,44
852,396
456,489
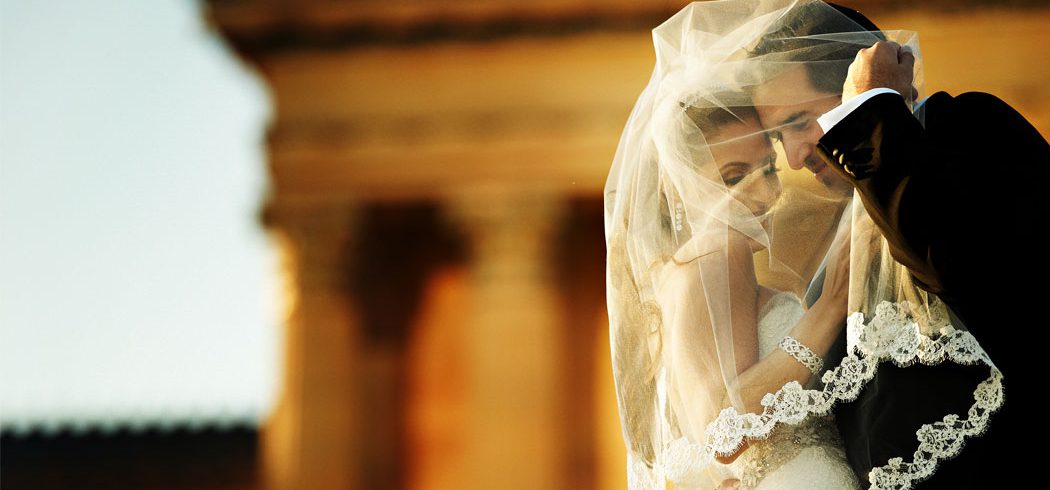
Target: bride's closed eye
x,y
771,165
734,173
732,181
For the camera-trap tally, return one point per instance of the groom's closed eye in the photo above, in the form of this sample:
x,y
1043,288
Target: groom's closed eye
x,y
801,125
798,121
795,123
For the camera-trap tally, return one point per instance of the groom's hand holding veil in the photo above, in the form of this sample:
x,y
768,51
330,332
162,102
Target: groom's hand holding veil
x,y
884,65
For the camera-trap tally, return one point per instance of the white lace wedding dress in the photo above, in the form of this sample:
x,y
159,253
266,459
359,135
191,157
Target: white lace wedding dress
x,y
807,456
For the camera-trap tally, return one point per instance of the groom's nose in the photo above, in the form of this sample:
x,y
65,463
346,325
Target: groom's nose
x,y
797,151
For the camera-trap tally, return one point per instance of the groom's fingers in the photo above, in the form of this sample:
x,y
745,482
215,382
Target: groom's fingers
x,y
907,62
906,59
883,51
884,64
903,53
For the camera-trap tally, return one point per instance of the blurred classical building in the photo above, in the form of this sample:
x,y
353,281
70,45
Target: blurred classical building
x,y
436,174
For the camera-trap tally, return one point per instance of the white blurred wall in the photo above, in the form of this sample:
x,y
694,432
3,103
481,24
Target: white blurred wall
x,y
135,283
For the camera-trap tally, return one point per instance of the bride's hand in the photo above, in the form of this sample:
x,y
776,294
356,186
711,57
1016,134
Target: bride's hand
x,y
732,457
836,275
730,484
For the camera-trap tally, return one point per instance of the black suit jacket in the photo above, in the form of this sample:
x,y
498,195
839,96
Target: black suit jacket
x,y
963,203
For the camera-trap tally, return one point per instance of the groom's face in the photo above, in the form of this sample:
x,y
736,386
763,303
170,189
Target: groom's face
x,y
789,106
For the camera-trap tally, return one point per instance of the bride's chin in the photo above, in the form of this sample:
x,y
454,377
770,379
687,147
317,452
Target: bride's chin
x,y
757,246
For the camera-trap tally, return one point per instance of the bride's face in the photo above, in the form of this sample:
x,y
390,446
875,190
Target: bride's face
x,y
747,163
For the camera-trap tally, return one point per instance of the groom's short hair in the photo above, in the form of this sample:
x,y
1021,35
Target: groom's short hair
x,y
797,36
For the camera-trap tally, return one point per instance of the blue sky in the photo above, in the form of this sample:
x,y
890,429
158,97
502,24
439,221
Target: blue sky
x,y
135,282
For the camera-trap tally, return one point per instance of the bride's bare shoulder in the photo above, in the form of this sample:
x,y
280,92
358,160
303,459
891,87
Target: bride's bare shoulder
x,y
707,243
681,272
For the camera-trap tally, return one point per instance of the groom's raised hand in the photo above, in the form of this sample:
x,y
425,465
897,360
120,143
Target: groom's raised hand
x,y
884,65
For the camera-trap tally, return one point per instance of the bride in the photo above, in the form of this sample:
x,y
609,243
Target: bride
x,y
774,339
687,218
721,372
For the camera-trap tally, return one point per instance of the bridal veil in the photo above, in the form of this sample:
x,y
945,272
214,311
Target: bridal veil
x,y
705,222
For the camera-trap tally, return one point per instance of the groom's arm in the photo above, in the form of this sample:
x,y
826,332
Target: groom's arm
x,y
872,140
900,176
969,189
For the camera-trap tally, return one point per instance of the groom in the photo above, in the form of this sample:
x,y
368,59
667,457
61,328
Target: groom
x,y
962,203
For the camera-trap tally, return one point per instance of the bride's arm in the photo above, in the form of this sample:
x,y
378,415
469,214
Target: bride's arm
x,y
696,363
817,329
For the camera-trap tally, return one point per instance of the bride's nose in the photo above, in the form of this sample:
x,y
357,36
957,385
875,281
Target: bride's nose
x,y
764,193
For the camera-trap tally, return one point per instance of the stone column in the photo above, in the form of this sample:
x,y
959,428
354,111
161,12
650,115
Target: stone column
x,y
310,441
514,347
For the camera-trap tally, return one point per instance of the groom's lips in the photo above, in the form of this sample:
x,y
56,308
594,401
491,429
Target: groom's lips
x,y
816,167
819,169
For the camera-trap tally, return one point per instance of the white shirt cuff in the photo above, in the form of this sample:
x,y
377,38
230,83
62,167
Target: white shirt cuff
x,y
832,117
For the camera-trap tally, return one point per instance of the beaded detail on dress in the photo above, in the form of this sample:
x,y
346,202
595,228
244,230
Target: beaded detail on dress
x,y
816,441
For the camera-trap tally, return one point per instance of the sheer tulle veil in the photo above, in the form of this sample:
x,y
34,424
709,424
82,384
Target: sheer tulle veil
x,y
705,222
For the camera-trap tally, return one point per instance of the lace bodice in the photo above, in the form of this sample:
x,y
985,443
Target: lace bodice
x,y
805,455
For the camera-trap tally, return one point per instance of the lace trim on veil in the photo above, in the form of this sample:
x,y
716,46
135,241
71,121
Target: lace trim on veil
x,y
890,335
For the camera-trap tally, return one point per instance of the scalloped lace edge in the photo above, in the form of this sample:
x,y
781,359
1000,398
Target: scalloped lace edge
x,y
889,336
